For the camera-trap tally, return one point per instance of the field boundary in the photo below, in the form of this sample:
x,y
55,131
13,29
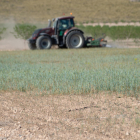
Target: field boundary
x,y
111,24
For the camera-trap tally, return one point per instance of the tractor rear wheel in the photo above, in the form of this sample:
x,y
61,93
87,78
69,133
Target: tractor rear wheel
x,y
44,42
31,46
75,40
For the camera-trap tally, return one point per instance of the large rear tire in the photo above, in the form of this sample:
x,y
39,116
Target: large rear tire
x,y
75,40
31,46
44,42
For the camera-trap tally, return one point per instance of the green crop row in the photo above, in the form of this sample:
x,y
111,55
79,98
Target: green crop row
x,y
71,71
114,32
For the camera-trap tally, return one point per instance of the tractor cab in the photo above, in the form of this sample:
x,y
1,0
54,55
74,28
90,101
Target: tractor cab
x,y
63,23
60,26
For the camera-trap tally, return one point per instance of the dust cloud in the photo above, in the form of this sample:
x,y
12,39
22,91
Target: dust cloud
x,y
126,43
8,41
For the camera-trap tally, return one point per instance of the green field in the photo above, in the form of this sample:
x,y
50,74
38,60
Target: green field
x,y
84,11
71,71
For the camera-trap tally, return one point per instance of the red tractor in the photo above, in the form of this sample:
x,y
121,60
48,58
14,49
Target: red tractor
x,y
60,31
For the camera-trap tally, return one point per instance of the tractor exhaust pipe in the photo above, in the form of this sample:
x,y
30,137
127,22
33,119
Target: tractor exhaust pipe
x,y
49,23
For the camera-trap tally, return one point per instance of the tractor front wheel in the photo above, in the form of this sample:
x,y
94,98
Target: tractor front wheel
x,y
75,40
44,42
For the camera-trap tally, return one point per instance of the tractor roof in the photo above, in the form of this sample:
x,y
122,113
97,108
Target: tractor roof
x,y
68,17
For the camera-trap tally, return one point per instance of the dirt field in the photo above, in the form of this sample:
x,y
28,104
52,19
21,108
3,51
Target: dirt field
x,y
84,11
35,117
12,44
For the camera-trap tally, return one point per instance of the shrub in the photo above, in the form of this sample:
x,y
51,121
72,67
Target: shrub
x,y
23,31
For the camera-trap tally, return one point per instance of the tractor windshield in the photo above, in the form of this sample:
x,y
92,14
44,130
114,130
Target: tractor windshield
x,y
66,23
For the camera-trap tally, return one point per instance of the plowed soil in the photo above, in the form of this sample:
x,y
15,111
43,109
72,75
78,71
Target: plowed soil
x,y
37,117
13,44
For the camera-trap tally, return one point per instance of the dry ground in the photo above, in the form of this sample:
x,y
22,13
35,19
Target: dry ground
x,y
86,11
12,44
94,117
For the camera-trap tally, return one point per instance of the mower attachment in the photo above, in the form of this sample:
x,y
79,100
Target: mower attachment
x,y
92,42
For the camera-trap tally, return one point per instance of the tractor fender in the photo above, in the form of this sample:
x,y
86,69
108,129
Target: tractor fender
x,y
68,31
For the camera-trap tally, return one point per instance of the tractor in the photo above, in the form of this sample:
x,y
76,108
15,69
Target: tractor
x,y
61,31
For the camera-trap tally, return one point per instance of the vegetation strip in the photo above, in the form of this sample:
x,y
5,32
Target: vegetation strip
x,y
81,71
25,30
114,32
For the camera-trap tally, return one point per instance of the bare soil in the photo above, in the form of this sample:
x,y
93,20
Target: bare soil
x,y
91,11
12,44
128,43
99,116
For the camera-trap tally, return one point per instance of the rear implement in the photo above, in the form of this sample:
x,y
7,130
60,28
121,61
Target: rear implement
x,y
93,42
